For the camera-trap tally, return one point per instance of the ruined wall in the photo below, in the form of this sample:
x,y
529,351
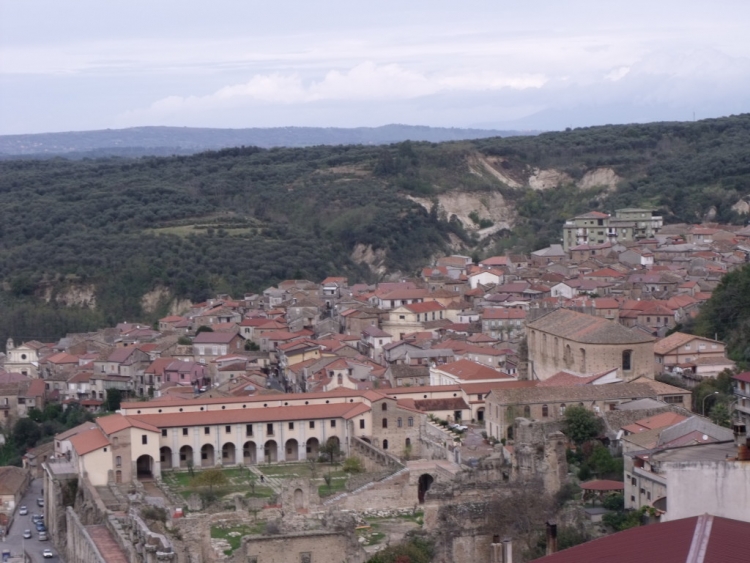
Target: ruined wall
x,y
302,547
395,492
79,546
540,452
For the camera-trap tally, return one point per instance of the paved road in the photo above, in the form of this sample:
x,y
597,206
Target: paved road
x,y
15,542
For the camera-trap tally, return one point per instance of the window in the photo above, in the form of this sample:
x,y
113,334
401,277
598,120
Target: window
x,y
410,421
291,426
248,430
527,411
333,424
545,411
164,432
184,431
385,423
627,359
633,481
312,424
207,429
340,379
562,408
144,438
269,429
385,444
362,424
408,442
399,422
227,429
643,491
384,407
118,461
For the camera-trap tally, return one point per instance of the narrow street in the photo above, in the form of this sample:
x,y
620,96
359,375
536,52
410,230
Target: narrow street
x,y
15,541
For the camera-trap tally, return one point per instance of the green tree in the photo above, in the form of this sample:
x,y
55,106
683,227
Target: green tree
x,y
204,328
353,464
210,478
331,450
26,433
114,399
719,414
580,424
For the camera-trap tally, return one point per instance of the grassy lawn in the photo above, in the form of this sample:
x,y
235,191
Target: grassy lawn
x,y
239,480
338,484
300,470
234,535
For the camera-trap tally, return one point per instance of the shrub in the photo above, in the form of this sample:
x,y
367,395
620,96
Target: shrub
x,y
353,465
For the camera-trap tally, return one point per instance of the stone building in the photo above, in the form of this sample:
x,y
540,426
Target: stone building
x,y
564,340
146,438
503,405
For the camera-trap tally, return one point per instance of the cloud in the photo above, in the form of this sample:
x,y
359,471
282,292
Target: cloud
x,y
365,82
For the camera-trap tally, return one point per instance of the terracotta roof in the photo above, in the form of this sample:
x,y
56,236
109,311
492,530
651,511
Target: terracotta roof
x,y
716,539
468,370
658,421
586,328
675,340
426,307
503,313
62,358
576,393
214,337
89,441
116,422
447,404
249,416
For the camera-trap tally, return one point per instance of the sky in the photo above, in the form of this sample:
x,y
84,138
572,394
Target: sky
x,y
538,64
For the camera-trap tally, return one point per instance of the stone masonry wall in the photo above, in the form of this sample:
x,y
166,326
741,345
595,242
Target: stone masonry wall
x,y
79,546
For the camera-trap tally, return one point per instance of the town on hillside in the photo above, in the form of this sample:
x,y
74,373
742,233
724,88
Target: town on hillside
x,y
349,418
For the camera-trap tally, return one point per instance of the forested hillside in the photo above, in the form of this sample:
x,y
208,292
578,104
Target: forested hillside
x,y
105,232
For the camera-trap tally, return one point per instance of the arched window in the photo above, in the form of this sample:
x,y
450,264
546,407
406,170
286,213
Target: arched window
x,y
385,444
545,411
408,442
410,421
340,379
527,411
583,360
399,422
118,461
385,423
384,407
627,360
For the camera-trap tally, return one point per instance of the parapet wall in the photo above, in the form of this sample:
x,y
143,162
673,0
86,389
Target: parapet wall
x,y
79,546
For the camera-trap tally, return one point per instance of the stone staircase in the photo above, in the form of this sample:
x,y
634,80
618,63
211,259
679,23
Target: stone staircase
x,y
109,499
366,486
274,483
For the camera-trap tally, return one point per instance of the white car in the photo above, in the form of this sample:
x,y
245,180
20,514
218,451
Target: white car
x,y
23,511
27,534
47,553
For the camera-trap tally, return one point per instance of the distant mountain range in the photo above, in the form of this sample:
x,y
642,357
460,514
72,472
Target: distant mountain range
x,y
165,141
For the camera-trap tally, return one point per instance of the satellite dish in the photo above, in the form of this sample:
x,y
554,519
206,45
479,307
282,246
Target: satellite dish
x,y
705,437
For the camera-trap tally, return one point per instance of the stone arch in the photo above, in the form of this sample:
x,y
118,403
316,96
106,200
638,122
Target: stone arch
x,y
299,500
186,456
423,485
228,454
334,440
271,451
249,453
313,448
145,467
291,450
165,457
207,456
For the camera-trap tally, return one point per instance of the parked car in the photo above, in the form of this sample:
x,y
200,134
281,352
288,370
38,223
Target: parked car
x,y
40,502
35,518
47,554
41,527
23,511
27,534
43,536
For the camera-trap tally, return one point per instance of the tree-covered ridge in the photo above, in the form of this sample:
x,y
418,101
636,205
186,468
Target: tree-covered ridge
x,y
239,220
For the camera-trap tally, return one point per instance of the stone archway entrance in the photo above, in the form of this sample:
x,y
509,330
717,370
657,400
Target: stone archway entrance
x,y
228,452
424,484
207,456
292,450
480,415
271,451
165,457
186,456
249,452
299,499
313,447
145,467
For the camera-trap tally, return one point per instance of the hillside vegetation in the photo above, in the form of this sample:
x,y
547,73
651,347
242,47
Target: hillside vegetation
x,y
81,242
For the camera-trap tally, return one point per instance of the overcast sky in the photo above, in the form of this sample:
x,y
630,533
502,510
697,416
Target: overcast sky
x,y
544,64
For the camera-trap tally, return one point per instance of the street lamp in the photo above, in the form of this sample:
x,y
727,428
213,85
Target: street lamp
x,y
704,401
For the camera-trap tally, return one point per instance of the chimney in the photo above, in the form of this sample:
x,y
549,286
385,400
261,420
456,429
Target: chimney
x,y
551,537
496,550
507,550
